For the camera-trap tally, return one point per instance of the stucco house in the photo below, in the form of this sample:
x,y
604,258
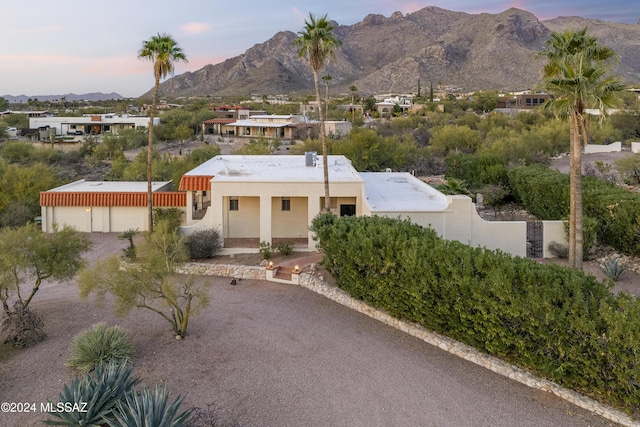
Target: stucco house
x,y
93,124
252,199
274,198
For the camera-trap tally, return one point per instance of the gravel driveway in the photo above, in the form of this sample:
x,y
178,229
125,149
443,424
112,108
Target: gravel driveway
x,y
270,354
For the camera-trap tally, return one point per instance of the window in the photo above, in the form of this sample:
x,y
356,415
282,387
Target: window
x,y
286,204
233,203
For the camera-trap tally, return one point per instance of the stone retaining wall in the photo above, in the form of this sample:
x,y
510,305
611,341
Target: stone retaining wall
x,y
224,270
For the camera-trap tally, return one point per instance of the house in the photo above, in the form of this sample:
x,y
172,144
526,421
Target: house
x,y
92,124
253,199
105,206
274,198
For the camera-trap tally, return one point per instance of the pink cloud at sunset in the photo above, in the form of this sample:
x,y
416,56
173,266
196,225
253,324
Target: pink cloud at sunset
x,y
195,27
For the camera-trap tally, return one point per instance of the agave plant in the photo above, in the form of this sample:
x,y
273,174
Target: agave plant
x,y
149,408
613,268
101,391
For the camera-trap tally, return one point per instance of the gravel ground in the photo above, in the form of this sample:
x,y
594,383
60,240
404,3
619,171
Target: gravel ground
x,y
269,354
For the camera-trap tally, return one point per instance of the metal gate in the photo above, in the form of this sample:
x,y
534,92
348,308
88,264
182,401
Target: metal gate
x,y
535,241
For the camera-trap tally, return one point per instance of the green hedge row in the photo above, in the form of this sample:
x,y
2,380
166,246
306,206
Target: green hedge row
x,y
551,320
545,193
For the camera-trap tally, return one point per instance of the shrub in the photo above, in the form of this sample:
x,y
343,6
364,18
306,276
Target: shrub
x,y
170,216
100,344
265,250
478,170
613,268
23,326
204,244
129,251
555,321
559,250
285,248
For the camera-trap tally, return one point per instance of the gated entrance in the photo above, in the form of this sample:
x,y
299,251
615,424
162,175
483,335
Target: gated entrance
x,y
534,239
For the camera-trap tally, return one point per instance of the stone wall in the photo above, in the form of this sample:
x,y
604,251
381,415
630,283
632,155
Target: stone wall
x,y
224,270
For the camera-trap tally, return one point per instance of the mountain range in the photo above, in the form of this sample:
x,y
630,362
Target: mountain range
x,y
392,54
94,96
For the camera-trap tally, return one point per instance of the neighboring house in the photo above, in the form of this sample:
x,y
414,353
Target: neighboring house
x,y
524,101
274,198
105,206
95,124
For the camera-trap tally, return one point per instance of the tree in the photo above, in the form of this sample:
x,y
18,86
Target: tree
x,y
353,89
163,51
326,78
577,75
151,282
317,43
27,254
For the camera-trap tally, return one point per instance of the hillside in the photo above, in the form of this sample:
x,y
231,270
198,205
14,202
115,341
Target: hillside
x,y
382,55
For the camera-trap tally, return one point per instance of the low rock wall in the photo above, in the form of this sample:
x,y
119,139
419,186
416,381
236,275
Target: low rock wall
x,y
224,270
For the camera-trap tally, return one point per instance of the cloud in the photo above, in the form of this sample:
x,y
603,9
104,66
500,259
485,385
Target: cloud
x,y
195,27
301,17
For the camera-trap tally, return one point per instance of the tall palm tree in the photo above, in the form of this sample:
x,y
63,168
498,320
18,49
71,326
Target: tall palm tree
x,y
317,43
326,78
353,90
163,51
576,74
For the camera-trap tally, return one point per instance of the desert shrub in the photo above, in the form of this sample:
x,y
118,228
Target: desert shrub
x,y
22,326
170,216
555,321
478,170
101,343
265,250
204,244
285,248
545,193
559,250
613,268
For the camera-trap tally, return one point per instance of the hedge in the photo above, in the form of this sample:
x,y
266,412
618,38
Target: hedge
x,y
545,193
557,322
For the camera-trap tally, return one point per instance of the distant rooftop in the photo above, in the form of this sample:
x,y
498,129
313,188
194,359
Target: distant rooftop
x,y
401,192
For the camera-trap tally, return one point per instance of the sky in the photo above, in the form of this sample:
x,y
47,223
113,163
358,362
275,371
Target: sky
x,y
72,46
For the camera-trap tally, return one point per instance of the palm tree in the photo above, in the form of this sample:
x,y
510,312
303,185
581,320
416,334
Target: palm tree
x,y
327,78
353,90
163,51
576,74
317,43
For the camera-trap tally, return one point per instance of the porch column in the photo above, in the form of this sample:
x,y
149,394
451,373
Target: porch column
x,y
313,209
189,207
265,218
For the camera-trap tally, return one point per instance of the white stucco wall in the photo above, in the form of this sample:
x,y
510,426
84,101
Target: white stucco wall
x,y
614,147
552,231
635,147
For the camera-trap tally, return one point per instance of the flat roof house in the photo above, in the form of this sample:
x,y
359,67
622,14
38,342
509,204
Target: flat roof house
x,y
252,199
274,198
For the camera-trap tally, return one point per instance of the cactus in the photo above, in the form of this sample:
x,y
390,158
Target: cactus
x,y
613,268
